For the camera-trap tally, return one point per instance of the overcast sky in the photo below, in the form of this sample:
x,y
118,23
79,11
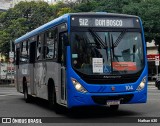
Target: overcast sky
x,y
4,4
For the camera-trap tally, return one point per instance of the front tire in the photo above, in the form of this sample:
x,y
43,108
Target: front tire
x,y
53,102
51,98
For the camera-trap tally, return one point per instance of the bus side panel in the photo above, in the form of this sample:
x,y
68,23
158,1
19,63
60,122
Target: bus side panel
x,y
43,72
19,79
21,73
30,80
39,79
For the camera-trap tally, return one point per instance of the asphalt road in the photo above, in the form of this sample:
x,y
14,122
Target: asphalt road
x,y
12,105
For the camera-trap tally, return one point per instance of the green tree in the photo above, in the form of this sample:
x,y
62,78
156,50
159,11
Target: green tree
x,y
21,19
61,8
86,6
149,11
64,11
102,5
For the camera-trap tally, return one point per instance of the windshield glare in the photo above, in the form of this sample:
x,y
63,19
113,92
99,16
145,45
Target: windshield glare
x,y
107,52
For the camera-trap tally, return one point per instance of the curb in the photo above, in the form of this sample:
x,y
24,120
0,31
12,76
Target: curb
x,y
7,85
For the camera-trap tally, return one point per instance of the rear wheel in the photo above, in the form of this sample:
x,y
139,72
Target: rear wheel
x,y
27,97
158,86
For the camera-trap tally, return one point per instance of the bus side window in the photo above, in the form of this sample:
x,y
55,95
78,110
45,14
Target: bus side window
x,y
39,47
62,50
50,44
55,43
32,52
24,52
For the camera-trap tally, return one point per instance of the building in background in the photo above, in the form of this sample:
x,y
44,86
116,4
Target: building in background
x,y
152,52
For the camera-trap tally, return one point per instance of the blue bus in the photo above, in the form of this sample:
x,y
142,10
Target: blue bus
x,y
84,59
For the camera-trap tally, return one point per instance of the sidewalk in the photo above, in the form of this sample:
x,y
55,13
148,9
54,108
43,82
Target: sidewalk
x,y
7,85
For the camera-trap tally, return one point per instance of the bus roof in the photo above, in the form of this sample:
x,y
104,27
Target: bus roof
x,y
62,19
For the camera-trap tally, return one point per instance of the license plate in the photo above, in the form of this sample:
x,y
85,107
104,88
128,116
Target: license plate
x,y
113,102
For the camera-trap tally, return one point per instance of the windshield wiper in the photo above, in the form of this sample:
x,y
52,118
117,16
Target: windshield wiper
x,y
97,38
120,38
106,47
112,45
100,41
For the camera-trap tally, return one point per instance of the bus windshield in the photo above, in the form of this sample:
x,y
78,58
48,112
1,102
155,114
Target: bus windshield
x,y
107,52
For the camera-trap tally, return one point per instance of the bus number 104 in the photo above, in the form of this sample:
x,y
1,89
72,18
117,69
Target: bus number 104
x,y
83,22
128,88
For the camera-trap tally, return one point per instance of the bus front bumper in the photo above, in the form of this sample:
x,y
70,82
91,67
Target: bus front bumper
x,y
99,99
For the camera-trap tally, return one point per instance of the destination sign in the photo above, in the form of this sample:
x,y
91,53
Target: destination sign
x,y
105,22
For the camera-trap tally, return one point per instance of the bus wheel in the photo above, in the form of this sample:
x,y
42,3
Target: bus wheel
x,y
27,97
50,97
53,102
114,107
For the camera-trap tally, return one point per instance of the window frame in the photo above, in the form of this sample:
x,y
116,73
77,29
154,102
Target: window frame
x,y
21,51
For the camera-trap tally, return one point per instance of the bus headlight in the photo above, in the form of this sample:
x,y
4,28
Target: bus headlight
x,y
78,86
142,84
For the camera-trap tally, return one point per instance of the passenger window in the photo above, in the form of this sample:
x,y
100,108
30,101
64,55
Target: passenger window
x,y
24,52
62,48
39,47
32,52
56,43
50,47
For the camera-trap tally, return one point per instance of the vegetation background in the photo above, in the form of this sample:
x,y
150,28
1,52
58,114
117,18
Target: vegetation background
x,y
27,16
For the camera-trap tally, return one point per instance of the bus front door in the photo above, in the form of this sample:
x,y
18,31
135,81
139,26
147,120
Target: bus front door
x,y
31,67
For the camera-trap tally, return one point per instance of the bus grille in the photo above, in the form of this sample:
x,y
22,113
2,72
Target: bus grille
x,y
103,99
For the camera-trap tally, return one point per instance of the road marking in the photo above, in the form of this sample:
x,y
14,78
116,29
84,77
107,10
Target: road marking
x,y
152,88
